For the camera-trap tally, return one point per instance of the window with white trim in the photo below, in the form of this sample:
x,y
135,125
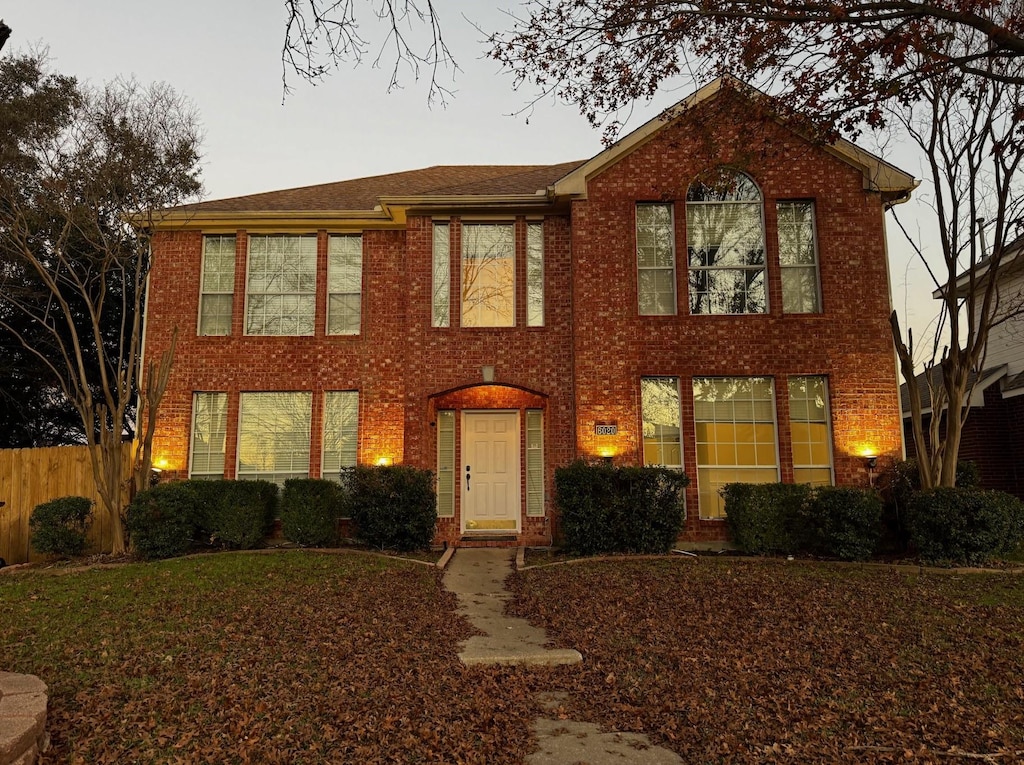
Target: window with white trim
x,y
655,259
659,405
488,275
446,464
280,288
534,462
534,275
273,435
809,430
341,433
725,245
798,257
344,284
209,435
440,303
217,290
734,419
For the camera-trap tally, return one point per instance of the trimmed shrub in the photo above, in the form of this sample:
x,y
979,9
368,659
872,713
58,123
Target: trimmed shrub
x,y
965,526
846,522
58,527
619,509
310,509
236,514
769,518
393,507
898,483
164,521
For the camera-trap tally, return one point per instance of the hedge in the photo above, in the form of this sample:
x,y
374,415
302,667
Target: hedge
x,y
58,527
619,509
310,510
393,507
965,526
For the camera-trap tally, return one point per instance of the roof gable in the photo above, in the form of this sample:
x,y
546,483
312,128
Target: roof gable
x,y
879,175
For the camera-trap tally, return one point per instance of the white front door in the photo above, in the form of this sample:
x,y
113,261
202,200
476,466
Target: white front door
x,y
490,471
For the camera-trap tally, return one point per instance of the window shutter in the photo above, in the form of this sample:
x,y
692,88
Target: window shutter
x,y
446,464
534,463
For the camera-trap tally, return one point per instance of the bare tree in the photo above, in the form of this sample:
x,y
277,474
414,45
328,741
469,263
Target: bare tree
x,y
970,130
83,175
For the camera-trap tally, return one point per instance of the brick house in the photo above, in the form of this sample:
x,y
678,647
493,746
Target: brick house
x,y
993,435
713,299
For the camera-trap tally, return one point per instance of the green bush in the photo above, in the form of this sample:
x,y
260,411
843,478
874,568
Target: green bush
x,y
58,527
965,526
619,509
393,507
310,509
236,514
164,521
769,518
846,522
898,483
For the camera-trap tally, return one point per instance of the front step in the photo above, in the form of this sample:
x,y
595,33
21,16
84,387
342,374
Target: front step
x,y
489,540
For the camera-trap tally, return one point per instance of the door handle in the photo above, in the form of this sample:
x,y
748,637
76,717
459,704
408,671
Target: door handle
x,y
467,477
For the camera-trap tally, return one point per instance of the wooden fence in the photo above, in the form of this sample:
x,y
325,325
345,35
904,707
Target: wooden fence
x,y
29,477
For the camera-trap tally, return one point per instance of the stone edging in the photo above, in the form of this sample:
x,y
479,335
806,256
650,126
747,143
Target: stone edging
x,y
22,718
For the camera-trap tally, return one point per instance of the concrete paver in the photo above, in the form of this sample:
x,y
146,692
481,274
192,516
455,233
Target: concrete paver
x,y
477,577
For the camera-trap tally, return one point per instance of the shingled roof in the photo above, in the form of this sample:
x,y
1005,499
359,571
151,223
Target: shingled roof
x,y
364,193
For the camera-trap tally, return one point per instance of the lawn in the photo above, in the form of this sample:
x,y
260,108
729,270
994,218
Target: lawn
x,y
305,657
290,657
750,661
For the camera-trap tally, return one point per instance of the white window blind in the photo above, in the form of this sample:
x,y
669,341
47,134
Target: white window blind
x,y
281,285
216,300
344,285
273,435
209,435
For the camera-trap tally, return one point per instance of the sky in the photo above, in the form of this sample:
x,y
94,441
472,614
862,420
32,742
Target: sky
x,y
225,55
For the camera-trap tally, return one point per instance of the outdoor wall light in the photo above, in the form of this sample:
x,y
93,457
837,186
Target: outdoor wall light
x,y
871,460
382,461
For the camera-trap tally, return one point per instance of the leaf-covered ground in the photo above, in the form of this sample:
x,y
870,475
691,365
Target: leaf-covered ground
x,y
293,657
769,661
302,657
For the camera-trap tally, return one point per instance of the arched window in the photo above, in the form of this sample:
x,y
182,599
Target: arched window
x,y
725,245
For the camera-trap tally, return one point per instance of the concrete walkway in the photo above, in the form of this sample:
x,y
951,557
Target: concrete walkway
x,y
477,577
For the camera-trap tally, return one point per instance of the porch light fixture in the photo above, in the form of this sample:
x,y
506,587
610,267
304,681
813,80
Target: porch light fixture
x,y
870,460
382,461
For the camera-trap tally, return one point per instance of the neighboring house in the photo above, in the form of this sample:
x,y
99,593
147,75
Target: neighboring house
x,y
993,436
713,299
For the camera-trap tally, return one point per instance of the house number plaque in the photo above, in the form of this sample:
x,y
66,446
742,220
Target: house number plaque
x,y
606,429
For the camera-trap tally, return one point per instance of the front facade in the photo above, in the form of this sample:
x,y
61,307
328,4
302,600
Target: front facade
x,y
719,307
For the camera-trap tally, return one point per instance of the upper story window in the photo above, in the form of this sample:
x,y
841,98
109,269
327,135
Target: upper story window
x,y
535,275
798,257
488,275
217,288
441,277
344,284
281,285
725,245
655,259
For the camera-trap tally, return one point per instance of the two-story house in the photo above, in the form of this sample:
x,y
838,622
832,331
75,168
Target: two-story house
x,y
710,293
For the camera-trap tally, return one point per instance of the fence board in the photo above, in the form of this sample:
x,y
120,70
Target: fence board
x,y
29,477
